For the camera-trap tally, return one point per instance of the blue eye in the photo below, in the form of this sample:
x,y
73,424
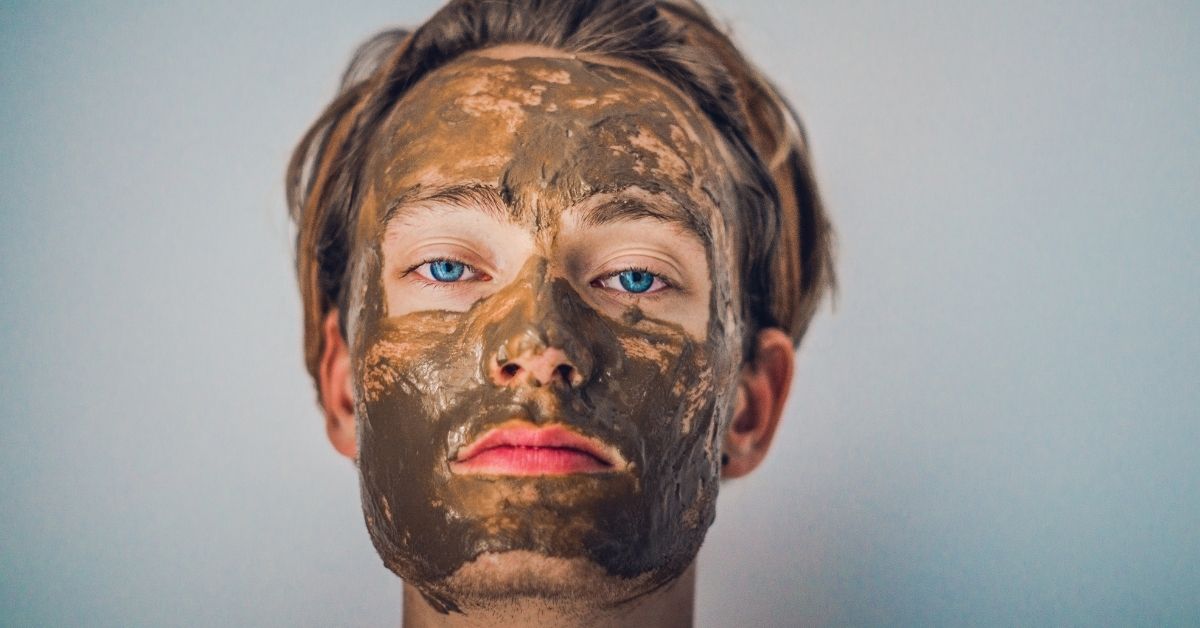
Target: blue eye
x,y
441,272
635,281
446,270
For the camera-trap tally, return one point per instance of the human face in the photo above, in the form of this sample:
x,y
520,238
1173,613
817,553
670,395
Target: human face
x,y
543,330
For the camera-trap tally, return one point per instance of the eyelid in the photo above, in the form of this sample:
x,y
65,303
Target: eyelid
x,y
661,268
478,275
471,251
667,284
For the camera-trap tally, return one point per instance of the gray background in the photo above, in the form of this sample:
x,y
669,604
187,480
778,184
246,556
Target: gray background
x,y
997,425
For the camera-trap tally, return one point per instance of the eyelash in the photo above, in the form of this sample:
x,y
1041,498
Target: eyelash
x,y
597,282
434,283
630,294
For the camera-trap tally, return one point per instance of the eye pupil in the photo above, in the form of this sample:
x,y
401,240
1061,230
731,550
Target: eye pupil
x,y
446,270
636,280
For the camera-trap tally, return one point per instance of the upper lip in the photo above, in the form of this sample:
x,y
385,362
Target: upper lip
x,y
522,433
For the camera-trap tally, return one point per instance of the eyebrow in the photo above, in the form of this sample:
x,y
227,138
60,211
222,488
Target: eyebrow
x,y
598,210
625,207
465,196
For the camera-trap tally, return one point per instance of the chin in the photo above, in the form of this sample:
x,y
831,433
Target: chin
x,y
518,580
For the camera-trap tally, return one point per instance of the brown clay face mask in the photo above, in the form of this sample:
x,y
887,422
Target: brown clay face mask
x,y
548,149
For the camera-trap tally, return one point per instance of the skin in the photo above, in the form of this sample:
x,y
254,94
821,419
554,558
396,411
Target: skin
x,y
576,169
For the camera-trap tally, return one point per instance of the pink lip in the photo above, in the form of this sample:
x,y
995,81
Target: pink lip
x,y
520,448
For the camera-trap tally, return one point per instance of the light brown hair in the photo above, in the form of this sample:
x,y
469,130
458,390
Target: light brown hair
x,y
786,258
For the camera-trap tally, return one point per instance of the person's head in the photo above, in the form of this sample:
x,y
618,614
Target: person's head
x,y
555,257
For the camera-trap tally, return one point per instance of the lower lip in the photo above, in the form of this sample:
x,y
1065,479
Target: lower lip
x,y
515,460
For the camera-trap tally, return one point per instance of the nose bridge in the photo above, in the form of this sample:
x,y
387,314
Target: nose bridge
x,y
538,332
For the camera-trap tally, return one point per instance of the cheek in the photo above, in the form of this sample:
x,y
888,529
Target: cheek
x,y
675,371
414,357
678,398
389,364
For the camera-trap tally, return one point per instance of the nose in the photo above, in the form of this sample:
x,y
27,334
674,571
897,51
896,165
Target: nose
x,y
541,333
537,367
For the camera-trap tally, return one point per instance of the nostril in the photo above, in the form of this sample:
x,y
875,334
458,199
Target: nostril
x,y
509,371
546,367
566,373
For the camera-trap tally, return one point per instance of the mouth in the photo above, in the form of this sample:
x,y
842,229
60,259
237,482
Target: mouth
x,y
519,447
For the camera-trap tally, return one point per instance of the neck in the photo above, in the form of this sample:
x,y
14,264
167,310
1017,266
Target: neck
x,y
668,607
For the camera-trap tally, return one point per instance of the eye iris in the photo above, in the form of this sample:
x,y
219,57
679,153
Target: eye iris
x,y
446,270
636,280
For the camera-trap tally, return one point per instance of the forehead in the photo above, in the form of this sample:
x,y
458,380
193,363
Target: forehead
x,y
548,133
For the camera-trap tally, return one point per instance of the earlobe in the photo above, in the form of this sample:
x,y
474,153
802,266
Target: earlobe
x,y
761,397
336,389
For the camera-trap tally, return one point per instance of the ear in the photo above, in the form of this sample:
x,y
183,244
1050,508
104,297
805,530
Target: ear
x,y
760,399
337,392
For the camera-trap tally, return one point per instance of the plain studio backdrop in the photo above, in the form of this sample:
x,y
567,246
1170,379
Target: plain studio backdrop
x,y
997,425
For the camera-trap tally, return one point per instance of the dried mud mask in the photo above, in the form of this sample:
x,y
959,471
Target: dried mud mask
x,y
549,134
